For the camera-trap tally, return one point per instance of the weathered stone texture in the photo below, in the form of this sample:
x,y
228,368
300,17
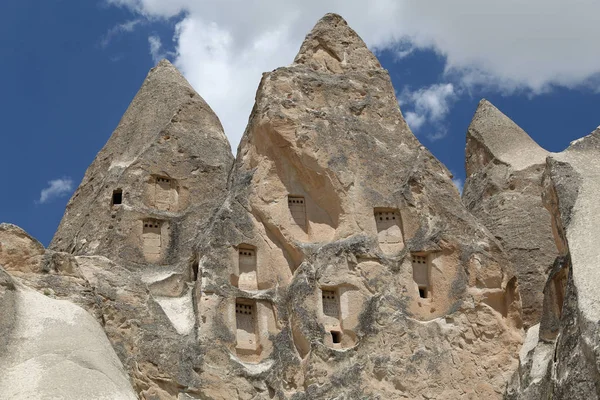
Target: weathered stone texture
x,y
503,190
571,305
132,222
333,259
169,158
325,154
51,349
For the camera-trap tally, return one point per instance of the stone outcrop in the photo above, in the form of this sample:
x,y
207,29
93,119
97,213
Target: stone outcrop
x,y
155,182
503,190
562,360
152,332
131,226
333,258
51,349
343,263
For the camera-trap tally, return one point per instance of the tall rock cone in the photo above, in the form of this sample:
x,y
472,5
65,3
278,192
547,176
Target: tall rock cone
x,y
131,225
343,263
504,190
155,181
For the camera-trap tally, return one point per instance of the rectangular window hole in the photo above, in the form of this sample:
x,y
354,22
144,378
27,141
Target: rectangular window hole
x,y
336,337
330,303
297,208
117,197
422,292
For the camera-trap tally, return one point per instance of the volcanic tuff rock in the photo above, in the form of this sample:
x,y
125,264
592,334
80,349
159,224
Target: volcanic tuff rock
x,y
503,189
332,259
49,348
132,224
167,162
562,361
342,263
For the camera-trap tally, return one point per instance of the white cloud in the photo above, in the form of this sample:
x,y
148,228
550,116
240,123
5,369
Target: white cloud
x,y
156,48
414,120
459,184
223,46
116,30
56,188
430,106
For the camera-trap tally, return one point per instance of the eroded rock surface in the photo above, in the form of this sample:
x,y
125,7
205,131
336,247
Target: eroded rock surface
x,y
131,226
155,182
343,263
53,349
333,259
504,190
569,327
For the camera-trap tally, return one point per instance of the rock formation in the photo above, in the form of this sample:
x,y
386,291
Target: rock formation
x,y
133,221
561,358
342,263
503,189
333,258
155,182
50,349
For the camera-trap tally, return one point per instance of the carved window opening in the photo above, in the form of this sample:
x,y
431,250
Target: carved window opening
x,y
117,197
297,206
560,283
165,193
247,268
194,270
420,264
389,229
245,319
331,304
336,337
152,239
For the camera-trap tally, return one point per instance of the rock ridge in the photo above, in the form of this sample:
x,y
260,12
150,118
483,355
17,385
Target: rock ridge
x,y
504,190
332,258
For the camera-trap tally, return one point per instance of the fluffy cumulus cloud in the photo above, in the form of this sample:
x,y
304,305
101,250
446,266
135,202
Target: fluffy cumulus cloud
x,y
428,107
56,188
222,46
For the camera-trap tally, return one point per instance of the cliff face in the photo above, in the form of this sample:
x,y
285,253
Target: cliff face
x,y
333,258
346,243
562,360
503,190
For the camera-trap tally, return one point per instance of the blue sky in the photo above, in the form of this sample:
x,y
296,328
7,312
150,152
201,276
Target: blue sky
x,y
70,68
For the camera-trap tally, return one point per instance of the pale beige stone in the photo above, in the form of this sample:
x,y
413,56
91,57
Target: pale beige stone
x,y
325,154
332,259
504,190
56,350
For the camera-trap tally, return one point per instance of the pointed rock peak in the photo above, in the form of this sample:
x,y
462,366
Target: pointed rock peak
x,y
164,63
504,139
164,93
165,72
168,134
333,46
589,142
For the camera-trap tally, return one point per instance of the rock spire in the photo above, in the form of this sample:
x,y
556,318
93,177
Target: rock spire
x,y
503,189
165,165
340,234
